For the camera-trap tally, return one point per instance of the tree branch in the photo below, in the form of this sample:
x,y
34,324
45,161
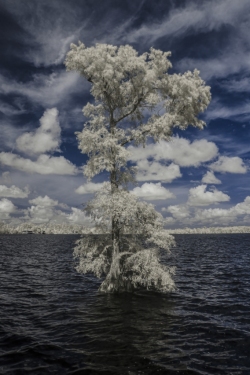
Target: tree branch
x,y
132,138
132,110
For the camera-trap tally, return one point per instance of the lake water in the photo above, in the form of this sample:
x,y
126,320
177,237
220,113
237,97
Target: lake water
x,y
53,320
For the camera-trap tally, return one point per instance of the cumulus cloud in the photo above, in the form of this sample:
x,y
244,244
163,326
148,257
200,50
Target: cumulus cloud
x,y
187,215
198,196
46,138
89,188
151,191
43,210
43,165
215,216
41,214
242,208
180,150
229,165
13,192
179,212
6,208
44,201
209,178
79,217
157,172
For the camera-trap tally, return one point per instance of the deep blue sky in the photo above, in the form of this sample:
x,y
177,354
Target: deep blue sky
x,y
208,184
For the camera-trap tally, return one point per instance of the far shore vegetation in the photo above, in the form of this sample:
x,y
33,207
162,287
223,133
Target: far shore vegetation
x,y
65,228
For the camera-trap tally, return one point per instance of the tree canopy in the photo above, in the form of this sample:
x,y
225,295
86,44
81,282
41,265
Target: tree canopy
x,y
135,98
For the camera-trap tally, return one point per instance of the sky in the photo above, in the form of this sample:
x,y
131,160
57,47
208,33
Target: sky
x,y
200,178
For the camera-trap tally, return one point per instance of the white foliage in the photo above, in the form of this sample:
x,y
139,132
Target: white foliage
x,y
128,90
142,234
135,98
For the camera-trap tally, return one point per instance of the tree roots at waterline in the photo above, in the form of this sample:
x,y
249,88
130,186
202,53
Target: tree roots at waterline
x,y
137,266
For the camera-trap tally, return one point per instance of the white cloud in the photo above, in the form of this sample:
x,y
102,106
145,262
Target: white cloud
x,y
13,192
43,165
46,138
236,85
169,220
229,164
179,212
151,191
46,90
50,27
9,134
189,216
41,214
242,208
180,150
6,177
209,178
213,216
89,188
198,196
42,210
6,208
10,110
217,110
192,18
79,217
218,67
157,172
44,201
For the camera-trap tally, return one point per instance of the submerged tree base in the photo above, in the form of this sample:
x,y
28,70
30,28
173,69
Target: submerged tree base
x,y
136,267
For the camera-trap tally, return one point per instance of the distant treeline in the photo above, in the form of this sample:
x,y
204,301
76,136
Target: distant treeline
x,y
240,229
64,228
49,228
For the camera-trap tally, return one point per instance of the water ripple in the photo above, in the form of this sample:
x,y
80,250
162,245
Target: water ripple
x,y
53,320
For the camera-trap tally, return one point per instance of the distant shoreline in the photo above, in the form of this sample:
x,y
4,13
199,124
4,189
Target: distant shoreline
x,y
84,231
211,230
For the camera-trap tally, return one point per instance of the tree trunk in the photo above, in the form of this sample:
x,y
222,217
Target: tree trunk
x,y
115,265
115,281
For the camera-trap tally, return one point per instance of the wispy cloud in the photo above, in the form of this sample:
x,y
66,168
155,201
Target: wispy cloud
x,y
193,17
45,90
50,27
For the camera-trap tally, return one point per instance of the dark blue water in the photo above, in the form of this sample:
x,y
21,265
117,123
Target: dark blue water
x,y
53,320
